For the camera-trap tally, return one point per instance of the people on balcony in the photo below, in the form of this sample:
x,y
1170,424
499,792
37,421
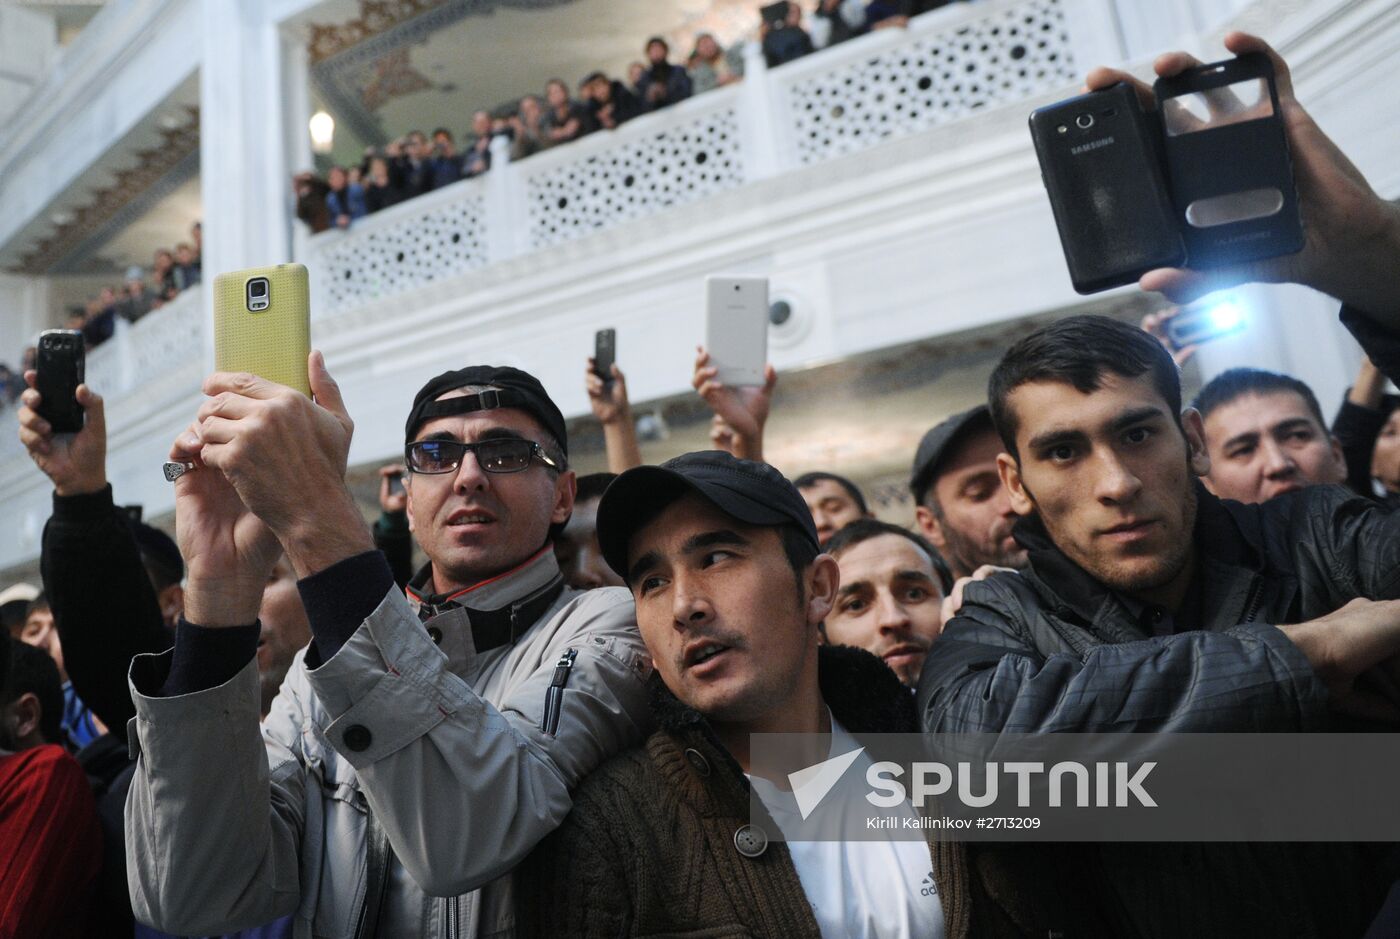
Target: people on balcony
x,y
163,272
379,189
564,119
446,167
711,65
785,39
478,157
137,298
662,83
346,200
609,102
525,125
187,267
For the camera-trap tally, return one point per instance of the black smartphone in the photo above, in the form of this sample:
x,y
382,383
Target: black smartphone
x,y
604,353
1227,162
396,484
60,364
1102,170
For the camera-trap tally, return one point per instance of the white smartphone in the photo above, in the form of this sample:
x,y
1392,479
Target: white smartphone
x,y
736,328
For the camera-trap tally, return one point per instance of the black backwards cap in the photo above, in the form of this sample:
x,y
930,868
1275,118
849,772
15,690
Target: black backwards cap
x,y
518,389
753,493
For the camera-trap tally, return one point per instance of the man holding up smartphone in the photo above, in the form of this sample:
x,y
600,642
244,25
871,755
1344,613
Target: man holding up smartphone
x,y
1150,606
422,745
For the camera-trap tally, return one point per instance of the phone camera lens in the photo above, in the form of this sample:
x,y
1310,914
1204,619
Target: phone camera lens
x,y
736,288
1084,121
259,288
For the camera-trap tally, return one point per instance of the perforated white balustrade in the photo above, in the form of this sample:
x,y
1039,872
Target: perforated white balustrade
x,y
378,260
1003,56
677,164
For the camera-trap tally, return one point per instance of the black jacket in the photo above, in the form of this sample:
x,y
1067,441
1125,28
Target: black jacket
x,y
1052,649
104,606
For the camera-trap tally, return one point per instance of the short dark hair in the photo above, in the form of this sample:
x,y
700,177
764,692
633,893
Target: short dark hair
x,y
592,486
655,39
1234,383
1079,351
808,480
32,671
40,602
866,528
444,131
592,77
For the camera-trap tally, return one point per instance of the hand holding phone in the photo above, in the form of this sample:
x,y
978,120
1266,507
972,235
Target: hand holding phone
x,y
1340,207
60,369
76,463
392,497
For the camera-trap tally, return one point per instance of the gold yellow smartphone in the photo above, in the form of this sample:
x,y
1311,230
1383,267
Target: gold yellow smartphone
x,y
262,324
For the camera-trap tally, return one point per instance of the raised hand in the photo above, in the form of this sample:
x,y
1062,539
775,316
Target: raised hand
x,y
608,399
286,455
744,409
76,463
390,501
1155,324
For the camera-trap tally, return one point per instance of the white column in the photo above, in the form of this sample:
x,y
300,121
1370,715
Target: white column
x,y
507,217
762,127
243,151
26,314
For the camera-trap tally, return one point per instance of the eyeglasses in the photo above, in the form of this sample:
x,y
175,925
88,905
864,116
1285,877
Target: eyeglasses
x,y
502,455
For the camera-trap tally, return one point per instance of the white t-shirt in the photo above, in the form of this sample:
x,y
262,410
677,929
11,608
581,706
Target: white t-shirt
x,y
860,889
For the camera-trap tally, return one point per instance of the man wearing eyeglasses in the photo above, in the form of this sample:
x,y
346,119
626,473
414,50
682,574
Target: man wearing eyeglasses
x,y
420,746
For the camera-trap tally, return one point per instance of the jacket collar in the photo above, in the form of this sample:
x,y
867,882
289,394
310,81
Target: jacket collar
x,y
863,694
492,593
1229,546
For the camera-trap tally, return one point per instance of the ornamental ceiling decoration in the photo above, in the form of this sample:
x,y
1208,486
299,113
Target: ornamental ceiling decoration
x,y
389,77
361,65
131,193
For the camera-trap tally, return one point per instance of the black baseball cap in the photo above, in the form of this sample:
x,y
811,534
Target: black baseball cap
x,y
518,389
939,442
753,493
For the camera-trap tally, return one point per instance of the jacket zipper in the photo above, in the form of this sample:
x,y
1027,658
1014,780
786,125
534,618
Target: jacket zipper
x,y
554,697
1251,607
452,904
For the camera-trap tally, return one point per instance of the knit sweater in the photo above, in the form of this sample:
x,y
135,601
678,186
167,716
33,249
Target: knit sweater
x,y
649,847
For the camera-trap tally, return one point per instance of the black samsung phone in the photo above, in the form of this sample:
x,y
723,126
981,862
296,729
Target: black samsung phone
x,y
60,371
1100,163
604,353
1227,162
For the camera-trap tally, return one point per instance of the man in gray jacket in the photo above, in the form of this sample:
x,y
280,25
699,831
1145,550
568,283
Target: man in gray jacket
x,y
420,746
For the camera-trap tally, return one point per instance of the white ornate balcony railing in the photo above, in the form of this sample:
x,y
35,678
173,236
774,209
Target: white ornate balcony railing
x,y
164,348
947,64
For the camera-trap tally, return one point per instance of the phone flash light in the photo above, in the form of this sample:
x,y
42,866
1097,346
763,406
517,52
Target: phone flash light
x,y
1226,315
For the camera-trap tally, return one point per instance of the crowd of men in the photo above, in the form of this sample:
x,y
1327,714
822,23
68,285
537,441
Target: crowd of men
x,y
417,162
544,731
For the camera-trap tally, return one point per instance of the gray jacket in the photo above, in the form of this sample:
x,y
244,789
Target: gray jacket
x,y
1054,650
458,761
